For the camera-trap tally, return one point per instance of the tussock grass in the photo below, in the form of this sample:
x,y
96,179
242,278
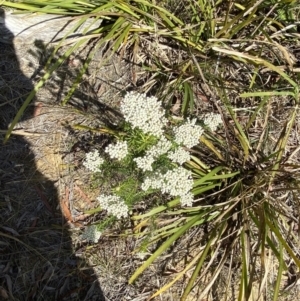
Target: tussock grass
x,y
235,58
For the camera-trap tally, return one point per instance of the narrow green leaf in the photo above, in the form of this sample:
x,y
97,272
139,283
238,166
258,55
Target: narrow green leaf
x,y
122,37
208,176
224,176
269,241
92,211
178,276
80,74
157,210
163,248
258,61
36,88
198,190
211,146
196,271
279,273
275,230
240,133
258,108
187,98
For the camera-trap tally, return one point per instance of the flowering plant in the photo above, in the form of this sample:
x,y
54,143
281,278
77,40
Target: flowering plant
x,y
154,157
146,121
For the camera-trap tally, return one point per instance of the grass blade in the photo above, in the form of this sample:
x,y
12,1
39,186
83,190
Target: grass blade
x,y
162,248
35,90
279,274
198,267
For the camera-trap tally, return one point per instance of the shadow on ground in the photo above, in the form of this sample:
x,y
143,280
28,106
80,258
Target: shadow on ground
x,y
36,256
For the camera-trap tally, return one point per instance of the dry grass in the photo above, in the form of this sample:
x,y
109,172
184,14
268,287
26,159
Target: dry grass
x,y
39,193
45,191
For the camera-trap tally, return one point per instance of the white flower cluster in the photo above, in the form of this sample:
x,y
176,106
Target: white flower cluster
x,y
212,120
188,134
113,205
187,200
144,163
93,161
144,113
91,233
117,151
175,182
154,182
179,156
162,147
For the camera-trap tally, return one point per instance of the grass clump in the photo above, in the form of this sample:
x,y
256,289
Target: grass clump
x,y
236,184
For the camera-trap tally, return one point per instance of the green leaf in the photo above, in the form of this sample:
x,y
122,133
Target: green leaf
x,y
198,267
279,273
36,88
188,99
157,210
276,231
208,176
163,248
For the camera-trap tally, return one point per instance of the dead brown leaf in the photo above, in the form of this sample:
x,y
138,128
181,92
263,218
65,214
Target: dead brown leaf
x,y
64,203
83,195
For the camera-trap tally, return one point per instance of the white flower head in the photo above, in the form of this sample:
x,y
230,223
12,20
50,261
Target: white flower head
x,y
117,151
187,200
147,184
93,161
144,163
114,205
175,182
145,113
155,182
212,120
160,148
91,233
188,134
179,156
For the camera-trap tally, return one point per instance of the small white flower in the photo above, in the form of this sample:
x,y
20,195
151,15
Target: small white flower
x,y
144,163
177,182
117,151
113,205
154,182
147,184
212,120
179,156
187,200
145,113
93,161
188,134
160,148
91,233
